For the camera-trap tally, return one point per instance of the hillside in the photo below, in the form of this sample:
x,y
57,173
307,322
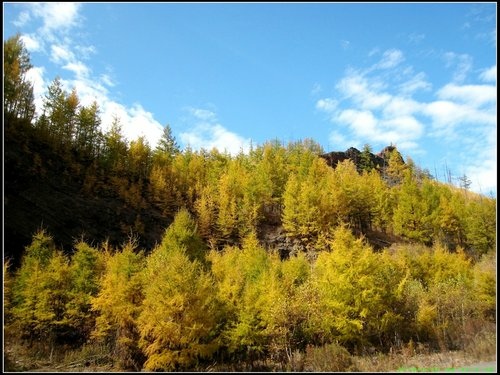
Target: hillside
x,y
126,257
42,189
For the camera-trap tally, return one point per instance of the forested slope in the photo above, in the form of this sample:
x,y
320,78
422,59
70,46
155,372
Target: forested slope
x,y
210,257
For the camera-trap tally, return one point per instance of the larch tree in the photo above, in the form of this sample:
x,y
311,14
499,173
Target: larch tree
x,y
412,214
139,158
351,292
54,109
41,292
86,267
240,276
180,314
118,305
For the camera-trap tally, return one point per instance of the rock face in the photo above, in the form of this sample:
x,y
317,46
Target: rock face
x,y
378,161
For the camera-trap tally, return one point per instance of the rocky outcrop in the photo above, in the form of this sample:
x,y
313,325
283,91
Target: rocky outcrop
x,y
377,161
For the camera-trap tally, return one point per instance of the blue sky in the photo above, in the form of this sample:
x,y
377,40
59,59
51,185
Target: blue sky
x,y
421,76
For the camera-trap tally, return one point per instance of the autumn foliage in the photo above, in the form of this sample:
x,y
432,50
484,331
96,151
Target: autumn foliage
x,y
213,290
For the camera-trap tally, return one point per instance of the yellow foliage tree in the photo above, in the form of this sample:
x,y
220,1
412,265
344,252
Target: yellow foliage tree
x,y
354,299
179,320
180,314
118,305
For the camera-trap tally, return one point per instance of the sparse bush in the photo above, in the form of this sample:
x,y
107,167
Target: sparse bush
x,y
330,357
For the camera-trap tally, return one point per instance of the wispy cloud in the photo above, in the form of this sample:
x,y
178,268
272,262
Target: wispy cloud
x,y
480,23
345,44
461,63
415,38
22,19
316,89
390,59
489,75
417,82
207,133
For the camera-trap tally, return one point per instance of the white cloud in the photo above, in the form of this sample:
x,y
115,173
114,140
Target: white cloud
x,y
448,117
135,121
418,82
61,54
482,169
374,51
106,79
207,134
483,175
345,44
59,20
340,142
462,64
353,85
56,16
400,106
404,128
35,75
474,95
489,75
366,94
328,105
79,68
363,123
31,43
390,59
23,19
140,122
85,51
203,114
415,38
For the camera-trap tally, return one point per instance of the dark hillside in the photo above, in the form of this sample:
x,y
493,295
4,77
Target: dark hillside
x,y
43,190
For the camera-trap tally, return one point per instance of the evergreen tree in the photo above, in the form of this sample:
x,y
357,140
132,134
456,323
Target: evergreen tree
x,y
167,146
55,109
88,136
115,147
366,162
18,91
